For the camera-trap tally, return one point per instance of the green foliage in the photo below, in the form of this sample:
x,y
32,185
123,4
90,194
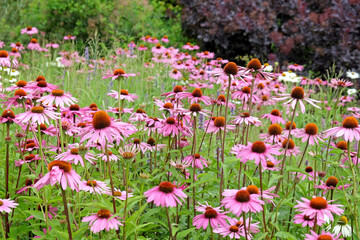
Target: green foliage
x,y
112,20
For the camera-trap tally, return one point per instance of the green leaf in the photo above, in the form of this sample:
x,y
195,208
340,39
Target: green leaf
x,y
183,234
37,214
285,235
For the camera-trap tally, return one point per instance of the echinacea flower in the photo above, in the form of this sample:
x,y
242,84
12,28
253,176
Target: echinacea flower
x,y
218,124
69,37
350,130
175,74
34,45
258,151
319,208
196,160
37,115
74,156
246,119
124,95
165,195
120,194
103,130
4,59
236,229
92,186
297,94
309,133
341,228
7,204
196,96
305,220
29,30
324,235
118,73
60,172
210,215
352,75
58,98
296,67
274,117
101,220
239,201
341,82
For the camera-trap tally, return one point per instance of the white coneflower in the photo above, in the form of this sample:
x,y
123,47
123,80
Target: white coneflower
x,y
342,227
352,75
351,91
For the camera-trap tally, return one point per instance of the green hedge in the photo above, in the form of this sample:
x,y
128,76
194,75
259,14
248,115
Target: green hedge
x,y
111,20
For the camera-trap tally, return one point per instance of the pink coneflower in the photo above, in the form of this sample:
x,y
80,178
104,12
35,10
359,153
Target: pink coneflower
x,y
274,117
210,215
176,93
52,45
165,195
73,156
258,151
124,94
118,73
274,134
297,94
292,150
318,208
42,86
29,30
69,37
331,184
296,67
34,45
341,83
309,171
235,229
175,74
305,220
120,194
15,53
323,236
7,204
37,115
196,96
164,39
272,165
244,95
92,186
110,155
142,47
28,184
8,116
196,159
309,133
218,124
103,130
171,127
221,100
138,116
158,49
4,59
58,98
18,46
239,201
247,119
350,130
101,220
60,172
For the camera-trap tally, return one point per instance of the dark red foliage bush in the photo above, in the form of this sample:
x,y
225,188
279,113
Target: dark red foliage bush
x,y
312,32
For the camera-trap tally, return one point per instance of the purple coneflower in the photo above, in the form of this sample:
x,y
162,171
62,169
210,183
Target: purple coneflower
x,y
101,220
165,195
